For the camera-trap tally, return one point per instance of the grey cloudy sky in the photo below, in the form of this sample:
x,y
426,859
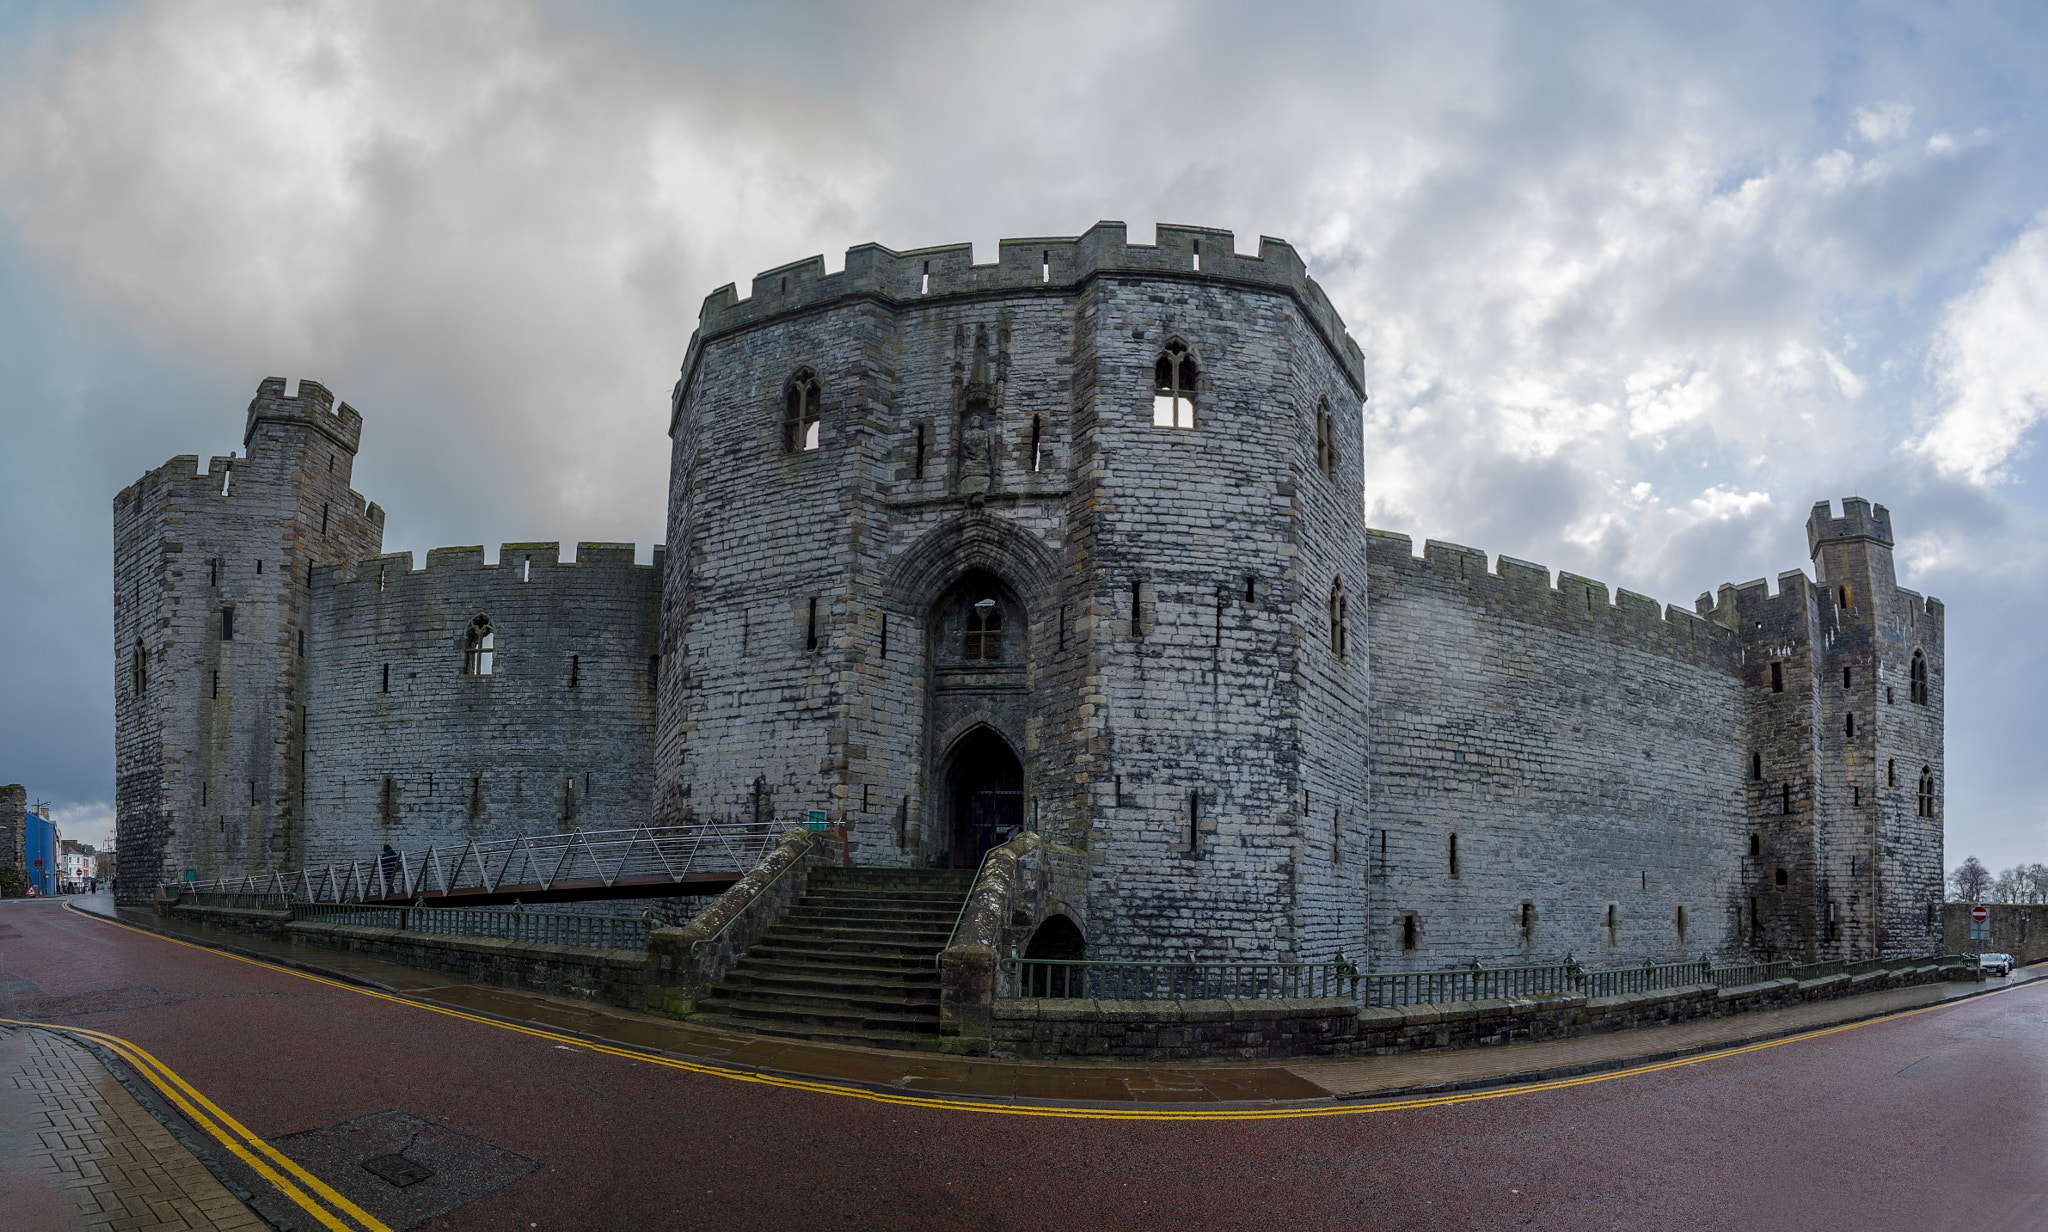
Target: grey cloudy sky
x,y
1637,284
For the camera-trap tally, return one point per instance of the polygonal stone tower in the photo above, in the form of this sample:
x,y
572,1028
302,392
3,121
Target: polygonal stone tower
x,y
212,573
1070,542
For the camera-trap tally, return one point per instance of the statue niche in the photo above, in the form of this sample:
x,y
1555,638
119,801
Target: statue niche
x,y
979,404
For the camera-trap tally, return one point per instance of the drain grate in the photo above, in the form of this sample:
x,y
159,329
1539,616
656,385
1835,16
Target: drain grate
x,y
399,1170
402,1168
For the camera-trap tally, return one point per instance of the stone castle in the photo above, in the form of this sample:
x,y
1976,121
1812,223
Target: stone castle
x,y
1070,543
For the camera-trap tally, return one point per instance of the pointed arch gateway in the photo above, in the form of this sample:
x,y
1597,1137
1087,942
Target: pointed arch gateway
x,y
984,791
975,586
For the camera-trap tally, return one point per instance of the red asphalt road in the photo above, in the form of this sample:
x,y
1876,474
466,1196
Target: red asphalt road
x,y
1817,1133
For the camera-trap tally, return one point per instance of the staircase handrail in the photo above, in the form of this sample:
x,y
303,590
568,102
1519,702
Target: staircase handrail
x,y
758,895
962,913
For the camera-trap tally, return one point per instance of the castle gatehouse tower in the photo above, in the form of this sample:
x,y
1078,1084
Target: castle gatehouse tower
x,y
1071,542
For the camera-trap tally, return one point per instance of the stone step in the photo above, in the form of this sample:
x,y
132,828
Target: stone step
x,y
909,985
785,932
884,899
849,955
842,913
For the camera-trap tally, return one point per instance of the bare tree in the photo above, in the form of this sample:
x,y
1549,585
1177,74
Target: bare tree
x,y
2010,886
1970,881
2037,883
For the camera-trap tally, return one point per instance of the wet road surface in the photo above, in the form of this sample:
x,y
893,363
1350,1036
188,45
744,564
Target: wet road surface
x,y
1935,1119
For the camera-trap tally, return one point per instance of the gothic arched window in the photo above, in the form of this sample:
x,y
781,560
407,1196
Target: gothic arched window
x,y
984,640
479,648
800,432
1173,387
1919,686
1326,441
1927,791
1340,620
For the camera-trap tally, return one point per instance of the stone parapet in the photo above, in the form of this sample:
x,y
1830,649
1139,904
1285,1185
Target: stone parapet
x,y
1022,883
1130,1030
685,962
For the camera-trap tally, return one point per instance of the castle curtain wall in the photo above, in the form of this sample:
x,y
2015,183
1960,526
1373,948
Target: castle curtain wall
x,y
410,744
1586,754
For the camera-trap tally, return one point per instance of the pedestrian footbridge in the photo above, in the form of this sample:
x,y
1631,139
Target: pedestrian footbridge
x,y
579,865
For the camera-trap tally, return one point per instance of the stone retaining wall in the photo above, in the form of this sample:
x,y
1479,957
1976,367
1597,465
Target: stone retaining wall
x,y
616,977
1049,1028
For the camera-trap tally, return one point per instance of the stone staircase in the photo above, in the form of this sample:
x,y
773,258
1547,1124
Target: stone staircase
x,y
851,962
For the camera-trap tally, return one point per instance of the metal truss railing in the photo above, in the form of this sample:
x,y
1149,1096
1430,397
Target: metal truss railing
x,y
639,855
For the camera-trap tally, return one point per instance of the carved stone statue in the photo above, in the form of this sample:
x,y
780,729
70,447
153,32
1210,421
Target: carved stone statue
x,y
977,461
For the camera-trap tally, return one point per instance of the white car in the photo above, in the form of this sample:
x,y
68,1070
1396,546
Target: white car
x,y
1996,964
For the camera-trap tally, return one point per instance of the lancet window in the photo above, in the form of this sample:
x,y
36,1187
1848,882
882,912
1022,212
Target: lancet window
x,y
481,648
800,416
1173,387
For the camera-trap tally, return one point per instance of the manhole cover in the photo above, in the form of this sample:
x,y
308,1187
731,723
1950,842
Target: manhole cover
x,y
404,1169
399,1170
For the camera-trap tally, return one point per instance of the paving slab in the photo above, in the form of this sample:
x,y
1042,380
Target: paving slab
x,y
81,1153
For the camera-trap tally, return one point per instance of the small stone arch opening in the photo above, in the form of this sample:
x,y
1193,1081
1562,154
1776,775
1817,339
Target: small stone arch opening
x,y
1056,940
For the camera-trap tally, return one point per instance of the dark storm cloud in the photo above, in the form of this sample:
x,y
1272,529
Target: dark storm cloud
x,y
1637,285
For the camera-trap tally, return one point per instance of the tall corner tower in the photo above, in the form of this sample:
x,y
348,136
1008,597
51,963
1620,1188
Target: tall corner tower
x,y
211,584
1879,784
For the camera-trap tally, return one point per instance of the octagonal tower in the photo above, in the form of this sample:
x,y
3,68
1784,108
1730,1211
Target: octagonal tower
x,y
1070,542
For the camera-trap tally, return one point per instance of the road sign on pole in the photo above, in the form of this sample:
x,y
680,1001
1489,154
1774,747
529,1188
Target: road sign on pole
x,y
1980,913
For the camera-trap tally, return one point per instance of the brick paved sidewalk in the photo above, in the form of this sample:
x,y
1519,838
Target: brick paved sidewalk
x,y
81,1153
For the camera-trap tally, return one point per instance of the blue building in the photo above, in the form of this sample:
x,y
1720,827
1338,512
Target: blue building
x,y
39,852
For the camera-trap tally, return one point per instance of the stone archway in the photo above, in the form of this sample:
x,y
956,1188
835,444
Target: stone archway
x,y
984,796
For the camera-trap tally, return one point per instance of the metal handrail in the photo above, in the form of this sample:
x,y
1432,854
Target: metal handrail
x,y
962,913
731,919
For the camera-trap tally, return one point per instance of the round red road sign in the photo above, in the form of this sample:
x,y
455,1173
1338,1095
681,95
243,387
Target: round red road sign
x,y
1980,913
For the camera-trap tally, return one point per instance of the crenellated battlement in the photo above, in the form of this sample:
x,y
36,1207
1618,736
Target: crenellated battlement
x,y
1522,590
313,405
1859,520
536,562
1058,264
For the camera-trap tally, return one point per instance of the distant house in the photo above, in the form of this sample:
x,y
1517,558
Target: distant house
x,y
74,863
39,848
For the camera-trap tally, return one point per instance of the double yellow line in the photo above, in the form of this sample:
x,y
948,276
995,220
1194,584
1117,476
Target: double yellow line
x,y
308,1191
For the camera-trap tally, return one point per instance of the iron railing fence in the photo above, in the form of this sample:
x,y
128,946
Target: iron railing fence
x,y
608,932
1461,984
260,900
1175,981
646,855
1189,980
1740,975
1650,977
